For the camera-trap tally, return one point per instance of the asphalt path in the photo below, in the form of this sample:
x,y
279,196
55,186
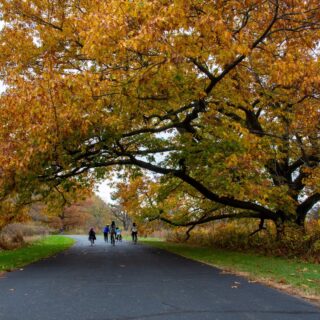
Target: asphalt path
x,y
129,282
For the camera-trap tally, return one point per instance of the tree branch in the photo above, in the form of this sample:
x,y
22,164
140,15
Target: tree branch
x,y
229,201
305,206
212,218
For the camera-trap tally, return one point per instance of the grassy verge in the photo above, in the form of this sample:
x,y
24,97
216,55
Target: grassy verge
x,y
10,260
293,276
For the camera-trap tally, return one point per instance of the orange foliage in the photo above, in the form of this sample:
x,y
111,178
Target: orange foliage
x,y
219,97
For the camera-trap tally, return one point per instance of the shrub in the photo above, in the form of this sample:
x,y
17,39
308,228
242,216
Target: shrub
x,y
15,235
236,235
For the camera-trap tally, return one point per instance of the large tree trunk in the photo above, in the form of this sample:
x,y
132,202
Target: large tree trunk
x,y
280,228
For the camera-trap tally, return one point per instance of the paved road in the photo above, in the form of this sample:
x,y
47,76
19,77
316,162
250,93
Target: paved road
x,y
130,282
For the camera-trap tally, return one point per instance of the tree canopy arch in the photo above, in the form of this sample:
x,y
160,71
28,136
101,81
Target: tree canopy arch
x,y
218,97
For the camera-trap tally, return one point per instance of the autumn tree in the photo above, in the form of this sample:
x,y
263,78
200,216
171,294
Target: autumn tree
x,y
129,205
78,215
119,213
220,99
81,215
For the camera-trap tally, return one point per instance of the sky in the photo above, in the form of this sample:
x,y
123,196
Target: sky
x,y
104,190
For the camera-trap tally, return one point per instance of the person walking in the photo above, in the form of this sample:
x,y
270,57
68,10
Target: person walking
x,y
106,231
134,233
92,236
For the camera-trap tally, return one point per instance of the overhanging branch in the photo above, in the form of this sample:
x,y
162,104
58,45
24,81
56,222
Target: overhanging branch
x,y
212,218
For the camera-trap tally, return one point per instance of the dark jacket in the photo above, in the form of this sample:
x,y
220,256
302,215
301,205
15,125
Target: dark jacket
x,y
92,235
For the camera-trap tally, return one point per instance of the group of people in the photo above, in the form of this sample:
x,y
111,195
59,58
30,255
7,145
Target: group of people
x,y
114,232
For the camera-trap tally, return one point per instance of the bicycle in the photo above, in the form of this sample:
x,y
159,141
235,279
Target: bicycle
x,y
112,239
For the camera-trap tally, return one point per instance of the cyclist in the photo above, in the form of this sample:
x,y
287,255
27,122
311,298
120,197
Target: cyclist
x,y
134,233
118,234
92,236
106,231
113,233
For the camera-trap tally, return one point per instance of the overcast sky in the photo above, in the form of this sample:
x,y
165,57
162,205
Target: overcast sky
x,y
103,190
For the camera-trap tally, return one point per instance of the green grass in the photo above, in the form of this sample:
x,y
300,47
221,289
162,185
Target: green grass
x,y
13,259
303,278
